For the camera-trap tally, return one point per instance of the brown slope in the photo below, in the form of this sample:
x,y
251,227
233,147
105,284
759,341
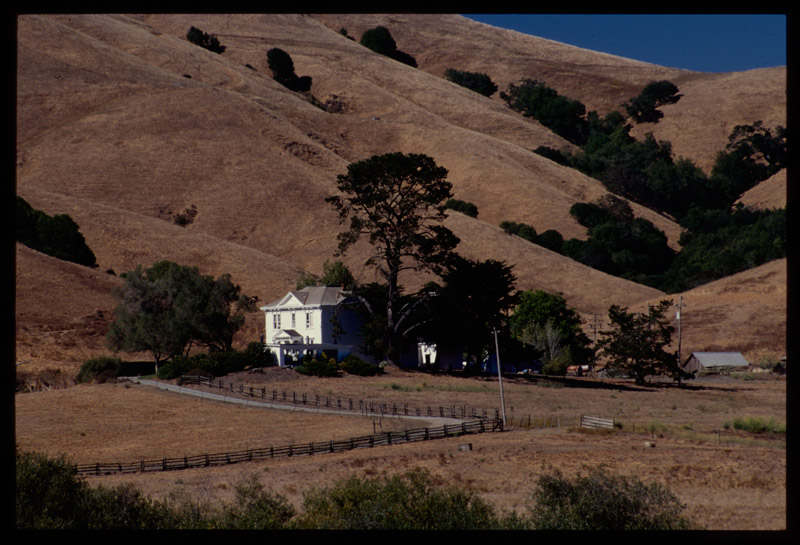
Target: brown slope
x,y
120,117
769,194
745,312
698,125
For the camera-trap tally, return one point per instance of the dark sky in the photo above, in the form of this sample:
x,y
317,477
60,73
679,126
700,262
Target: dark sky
x,y
705,43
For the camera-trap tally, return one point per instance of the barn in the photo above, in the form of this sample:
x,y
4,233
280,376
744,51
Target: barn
x,y
714,361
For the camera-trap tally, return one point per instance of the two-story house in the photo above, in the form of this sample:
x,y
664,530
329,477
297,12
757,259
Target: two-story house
x,y
303,322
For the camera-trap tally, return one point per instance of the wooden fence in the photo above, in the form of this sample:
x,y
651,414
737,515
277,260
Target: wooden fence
x,y
367,441
595,422
370,408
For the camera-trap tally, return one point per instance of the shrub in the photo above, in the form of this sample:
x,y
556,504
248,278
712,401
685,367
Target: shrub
x,y
254,509
353,365
204,40
217,363
282,68
100,369
318,368
757,425
475,81
601,501
466,208
380,40
50,495
410,501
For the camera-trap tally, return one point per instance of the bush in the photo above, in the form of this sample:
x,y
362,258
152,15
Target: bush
x,y
101,369
601,501
756,425
411,501
254,509
217,363
317,368
475,81
380,40
204,40
282,68
466,208
353,365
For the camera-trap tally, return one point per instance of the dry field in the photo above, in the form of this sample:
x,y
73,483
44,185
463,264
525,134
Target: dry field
x,y
730,481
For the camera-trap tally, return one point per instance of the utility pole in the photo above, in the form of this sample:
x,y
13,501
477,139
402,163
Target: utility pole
x,y
679,319
500,376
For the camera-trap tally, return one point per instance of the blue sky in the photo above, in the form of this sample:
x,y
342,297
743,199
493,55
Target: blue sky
x,y
706,43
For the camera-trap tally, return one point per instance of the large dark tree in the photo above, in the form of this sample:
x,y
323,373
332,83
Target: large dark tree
x,y
397,202
643,108
637,343
283,72
58,236
471,304
168,307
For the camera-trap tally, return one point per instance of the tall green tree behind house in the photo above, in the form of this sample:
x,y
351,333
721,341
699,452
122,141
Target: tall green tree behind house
x,y
472,303
397,202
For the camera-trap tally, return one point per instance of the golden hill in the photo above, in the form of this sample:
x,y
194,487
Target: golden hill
x,y
122,123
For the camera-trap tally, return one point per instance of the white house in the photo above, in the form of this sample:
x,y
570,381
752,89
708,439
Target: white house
x,y
302,321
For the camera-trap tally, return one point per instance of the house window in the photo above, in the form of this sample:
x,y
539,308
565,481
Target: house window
x,y
293,322
276,321
309,321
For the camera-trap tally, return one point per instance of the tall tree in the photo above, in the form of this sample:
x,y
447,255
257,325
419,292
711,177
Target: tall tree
x,y
166,308
636,344
472,304
544,321
397,202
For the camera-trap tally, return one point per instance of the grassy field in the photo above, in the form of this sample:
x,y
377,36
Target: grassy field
x,y
729,479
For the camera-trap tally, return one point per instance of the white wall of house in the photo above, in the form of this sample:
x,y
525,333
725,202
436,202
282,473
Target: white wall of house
x,y
291,320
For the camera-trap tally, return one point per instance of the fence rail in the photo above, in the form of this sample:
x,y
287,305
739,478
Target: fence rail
x,y
595,422
249,455
343,404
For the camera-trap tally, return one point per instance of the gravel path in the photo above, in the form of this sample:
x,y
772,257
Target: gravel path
x,y
251,403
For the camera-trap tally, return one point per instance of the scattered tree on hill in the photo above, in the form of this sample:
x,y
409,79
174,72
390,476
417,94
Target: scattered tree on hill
x,y
466,208
204,40
380,40
636,344
282,68
562,115
168,307
643,108
57,236
752,155
475,81
397,202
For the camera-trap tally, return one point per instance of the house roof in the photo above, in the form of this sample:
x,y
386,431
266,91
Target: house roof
x,y
719,359
310,296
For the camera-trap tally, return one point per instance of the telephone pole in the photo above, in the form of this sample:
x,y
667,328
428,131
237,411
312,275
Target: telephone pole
x,y
500,376
679,319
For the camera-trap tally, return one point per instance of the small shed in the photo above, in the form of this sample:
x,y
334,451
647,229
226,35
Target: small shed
x,y
714,361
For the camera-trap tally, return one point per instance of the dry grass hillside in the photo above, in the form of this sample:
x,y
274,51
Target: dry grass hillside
x,y
122,123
